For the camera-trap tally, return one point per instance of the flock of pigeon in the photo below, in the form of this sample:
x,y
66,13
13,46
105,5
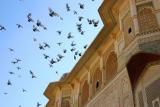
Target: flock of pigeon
x,y
37,25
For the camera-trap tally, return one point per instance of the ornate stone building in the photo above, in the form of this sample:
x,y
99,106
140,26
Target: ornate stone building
x,y
121,68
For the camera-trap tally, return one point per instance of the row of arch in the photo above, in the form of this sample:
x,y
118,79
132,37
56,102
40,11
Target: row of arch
x,y
135,67
111,65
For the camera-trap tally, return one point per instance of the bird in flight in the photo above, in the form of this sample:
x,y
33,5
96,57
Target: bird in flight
x,y
32,74
35,29
46,56
38,104
2,28
11,73
19,26
64,50
89,21
75,12
52,13
59,43
18,68
12,50
81,6
95,23
52,61
67,7
9,82
70,35
85,46
73,49
23,90
41,47
59,32
60,56
29,16
80,18
46,45
73,44
34,39
18,60
39,24
14,62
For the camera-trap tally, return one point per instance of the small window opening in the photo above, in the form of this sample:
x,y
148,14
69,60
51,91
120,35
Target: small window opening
x,y
97,84
129,30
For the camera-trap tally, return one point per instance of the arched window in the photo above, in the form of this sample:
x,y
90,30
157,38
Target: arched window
x,y
85,93
111,65
146,19
97,81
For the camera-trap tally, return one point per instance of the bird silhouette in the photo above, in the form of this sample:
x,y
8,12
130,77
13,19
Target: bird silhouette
x,y
80,18
18,68
81,6
2,28
82,32
59,43
5,93
19,26
74,57
85,46
14,62
9,82
11,73
46,56
58,59
46,45
32,74
75,12
59,32
60,56
95,23
29,16
89,21
64,50
34,39
39,23
12,50
18,60
52,61
23,90
73,49
73,44
52,13
67,7
38,104
35,29
70,35
41,47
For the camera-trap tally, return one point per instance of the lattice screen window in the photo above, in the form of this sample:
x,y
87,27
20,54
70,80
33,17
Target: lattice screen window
x,y
141,101
146,18
152,93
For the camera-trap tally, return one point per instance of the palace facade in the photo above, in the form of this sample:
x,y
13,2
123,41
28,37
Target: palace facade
x,y
121,68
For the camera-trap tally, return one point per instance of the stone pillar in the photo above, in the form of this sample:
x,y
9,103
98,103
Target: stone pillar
x,y
134,16
90,85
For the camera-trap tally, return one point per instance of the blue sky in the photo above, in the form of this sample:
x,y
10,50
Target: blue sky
x,y
21,40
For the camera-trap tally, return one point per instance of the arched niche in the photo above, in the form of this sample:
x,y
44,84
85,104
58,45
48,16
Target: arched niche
x,y
65,103
111,65
85,93
96,80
